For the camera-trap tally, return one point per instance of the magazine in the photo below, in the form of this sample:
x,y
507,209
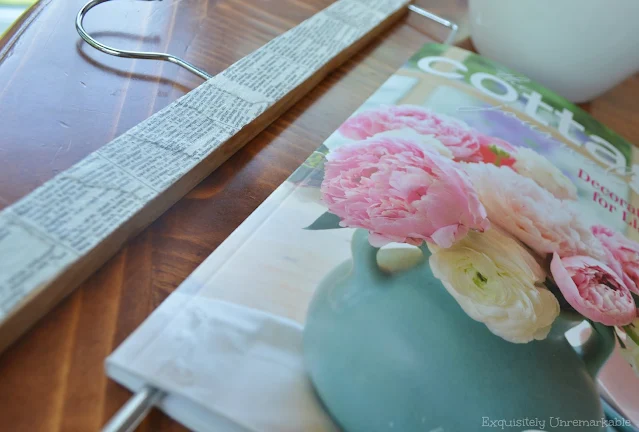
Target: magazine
x,y
420,272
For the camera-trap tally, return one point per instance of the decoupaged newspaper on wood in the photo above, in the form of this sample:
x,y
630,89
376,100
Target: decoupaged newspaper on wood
x,y
58,235
420,271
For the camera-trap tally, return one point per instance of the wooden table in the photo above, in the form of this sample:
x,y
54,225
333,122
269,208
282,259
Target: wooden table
x,y
60,100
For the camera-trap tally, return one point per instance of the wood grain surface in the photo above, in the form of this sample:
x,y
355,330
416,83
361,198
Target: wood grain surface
x,y
60,100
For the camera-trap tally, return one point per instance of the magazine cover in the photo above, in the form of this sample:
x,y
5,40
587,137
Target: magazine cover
x,y
420,272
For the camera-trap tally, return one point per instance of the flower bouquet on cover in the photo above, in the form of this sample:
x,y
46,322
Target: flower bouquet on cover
x,y
499,230
506,240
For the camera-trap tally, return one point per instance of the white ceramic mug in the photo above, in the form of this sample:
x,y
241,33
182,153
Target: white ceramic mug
x,y
577,48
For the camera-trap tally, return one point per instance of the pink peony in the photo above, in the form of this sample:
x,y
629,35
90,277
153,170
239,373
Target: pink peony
x,y
623,255
462,140
401,192
594,290
531,213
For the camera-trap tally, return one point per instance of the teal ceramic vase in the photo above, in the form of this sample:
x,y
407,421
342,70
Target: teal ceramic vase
x,y
395,352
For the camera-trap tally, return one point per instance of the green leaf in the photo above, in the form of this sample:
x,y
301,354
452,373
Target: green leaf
x,y
326,221
631,331
311,172
621,344
499,152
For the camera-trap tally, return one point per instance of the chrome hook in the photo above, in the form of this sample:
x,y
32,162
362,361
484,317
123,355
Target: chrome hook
x,y
439,20
127,53
194,69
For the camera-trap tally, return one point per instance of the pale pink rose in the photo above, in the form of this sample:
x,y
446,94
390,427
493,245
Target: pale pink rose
x,y
462,140
594,290
401,192
531,164
623,255
531,213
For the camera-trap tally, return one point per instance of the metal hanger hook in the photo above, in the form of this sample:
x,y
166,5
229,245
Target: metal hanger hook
x,y
194,69
127,53
453,27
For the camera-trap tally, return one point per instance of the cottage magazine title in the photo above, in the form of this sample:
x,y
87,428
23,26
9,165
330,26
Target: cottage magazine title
x,y
421,271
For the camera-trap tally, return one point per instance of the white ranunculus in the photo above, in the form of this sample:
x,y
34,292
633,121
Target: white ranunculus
x,y
493,277
531,164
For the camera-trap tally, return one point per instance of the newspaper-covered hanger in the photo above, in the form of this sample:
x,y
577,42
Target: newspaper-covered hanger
x,y
137,407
